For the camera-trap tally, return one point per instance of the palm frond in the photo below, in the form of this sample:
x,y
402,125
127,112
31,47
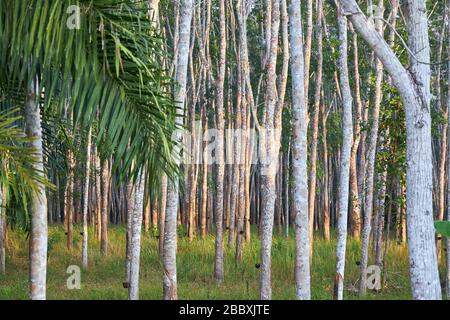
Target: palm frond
x,y
111,66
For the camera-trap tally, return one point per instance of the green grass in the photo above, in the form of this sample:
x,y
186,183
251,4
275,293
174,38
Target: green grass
x,y
195,262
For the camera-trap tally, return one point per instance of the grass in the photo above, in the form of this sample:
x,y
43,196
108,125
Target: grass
x,y
195,263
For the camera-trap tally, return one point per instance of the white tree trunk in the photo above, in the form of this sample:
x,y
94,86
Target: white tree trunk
x,y
38,205
354,192
315,123
203,209
104,208
2,234
84,250
271,149
414,87
447,275
162,217
380,216
425,283
130,209
344,181
299,156
135,252
370,169
98,197
308,46
220,160
170,232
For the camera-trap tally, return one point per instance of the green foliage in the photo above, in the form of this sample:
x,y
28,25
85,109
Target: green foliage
x,y
111,66
182,231
443,228
195,264
19,181
437,120
334,131
391,153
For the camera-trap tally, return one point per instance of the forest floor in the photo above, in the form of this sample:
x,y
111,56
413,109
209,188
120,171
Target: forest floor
x,y
104,279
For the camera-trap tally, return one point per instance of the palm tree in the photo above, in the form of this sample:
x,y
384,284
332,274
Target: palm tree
x,y
18,180
110,65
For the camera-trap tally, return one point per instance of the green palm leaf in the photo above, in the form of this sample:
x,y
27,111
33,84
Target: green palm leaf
x,y
110,66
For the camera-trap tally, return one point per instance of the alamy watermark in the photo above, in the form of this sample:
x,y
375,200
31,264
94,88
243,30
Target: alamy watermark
x,y
240,146
74,280
74,19
373,277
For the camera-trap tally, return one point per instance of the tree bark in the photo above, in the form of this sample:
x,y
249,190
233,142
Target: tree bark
x,y
170,232
204,179
136,226
104,208
315,123
344,181
2,233
162,216
354,192
68,197
326,199
271,150
308,46
414,87
155,212
220,160
98,196
447,274
380,217
299,156
370,169
84,253
131,197
38,203
442,108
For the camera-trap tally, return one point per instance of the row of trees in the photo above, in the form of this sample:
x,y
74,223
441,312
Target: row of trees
x,y
359,148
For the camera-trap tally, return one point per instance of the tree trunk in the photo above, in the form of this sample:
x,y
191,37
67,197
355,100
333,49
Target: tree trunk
x,y
447,274
299,156
162,216
77,207
170,232
242,113
68,199
220,160
104,208
380,217
308,47
136,226
58,200
403,228
326,200
250,105
344,181
154,208
271,149
354,192
98,196
287,191
131,197
442,108
315,123
38,203
370,169
414,87
2,233
204,179
235,166
84,253
147,210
